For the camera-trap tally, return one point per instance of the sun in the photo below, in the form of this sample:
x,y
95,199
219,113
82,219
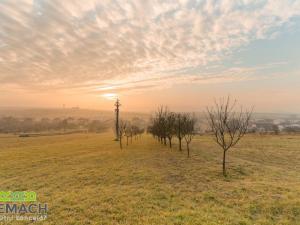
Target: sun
x,y
110,96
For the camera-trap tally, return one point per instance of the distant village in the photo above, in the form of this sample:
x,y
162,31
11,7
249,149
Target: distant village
x,y
290,124
262,124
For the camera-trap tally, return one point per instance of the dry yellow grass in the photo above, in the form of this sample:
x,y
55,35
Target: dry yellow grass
x,y
87,179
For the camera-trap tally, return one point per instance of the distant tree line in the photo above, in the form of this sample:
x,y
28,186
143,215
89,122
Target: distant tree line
x,y
29,125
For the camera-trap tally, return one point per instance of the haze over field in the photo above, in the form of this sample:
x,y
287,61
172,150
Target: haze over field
x,y
150,112
182,53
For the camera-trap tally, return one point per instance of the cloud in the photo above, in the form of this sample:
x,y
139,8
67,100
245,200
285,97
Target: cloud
x,y
67,44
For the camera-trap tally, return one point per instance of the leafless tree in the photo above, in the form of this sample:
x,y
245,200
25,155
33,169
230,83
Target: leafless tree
x,y
189,130
162,115
179,128
128,133
122,130
228,124
158,126
170,126
136,132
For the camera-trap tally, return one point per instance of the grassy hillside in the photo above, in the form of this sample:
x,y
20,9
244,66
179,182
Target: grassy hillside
x,y
87,179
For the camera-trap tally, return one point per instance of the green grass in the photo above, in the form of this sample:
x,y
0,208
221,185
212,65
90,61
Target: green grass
x,y
87,179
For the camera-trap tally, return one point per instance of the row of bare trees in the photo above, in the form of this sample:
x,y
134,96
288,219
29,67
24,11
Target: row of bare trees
x,y
165,125
227,122
130,131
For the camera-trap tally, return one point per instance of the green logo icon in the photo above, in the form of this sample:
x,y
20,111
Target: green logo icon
x,y
17,196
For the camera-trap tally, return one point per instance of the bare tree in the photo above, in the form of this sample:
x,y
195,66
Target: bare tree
x,y
228,124
179,128
163,121
128,133
136,132
159,124
189,130
170,127
122,130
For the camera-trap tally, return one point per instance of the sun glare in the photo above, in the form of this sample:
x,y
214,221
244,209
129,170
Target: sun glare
x,y
110,96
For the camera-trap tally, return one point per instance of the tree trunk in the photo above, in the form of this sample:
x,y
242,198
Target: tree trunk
x,y
188,149
127,141
224,163
165,141
120,140
170,142
180,149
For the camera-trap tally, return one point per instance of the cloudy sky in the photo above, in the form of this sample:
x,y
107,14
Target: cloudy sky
x,y
182,53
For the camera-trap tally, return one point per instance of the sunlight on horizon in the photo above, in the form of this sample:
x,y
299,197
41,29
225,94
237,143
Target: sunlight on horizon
x,y
88,53
110,96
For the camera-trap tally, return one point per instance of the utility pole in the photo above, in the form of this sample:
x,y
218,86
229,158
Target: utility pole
x,y
117,110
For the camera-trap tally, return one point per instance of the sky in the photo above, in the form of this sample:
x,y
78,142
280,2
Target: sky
x,y
179,53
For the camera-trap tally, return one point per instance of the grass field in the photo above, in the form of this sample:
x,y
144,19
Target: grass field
x,y
87,179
